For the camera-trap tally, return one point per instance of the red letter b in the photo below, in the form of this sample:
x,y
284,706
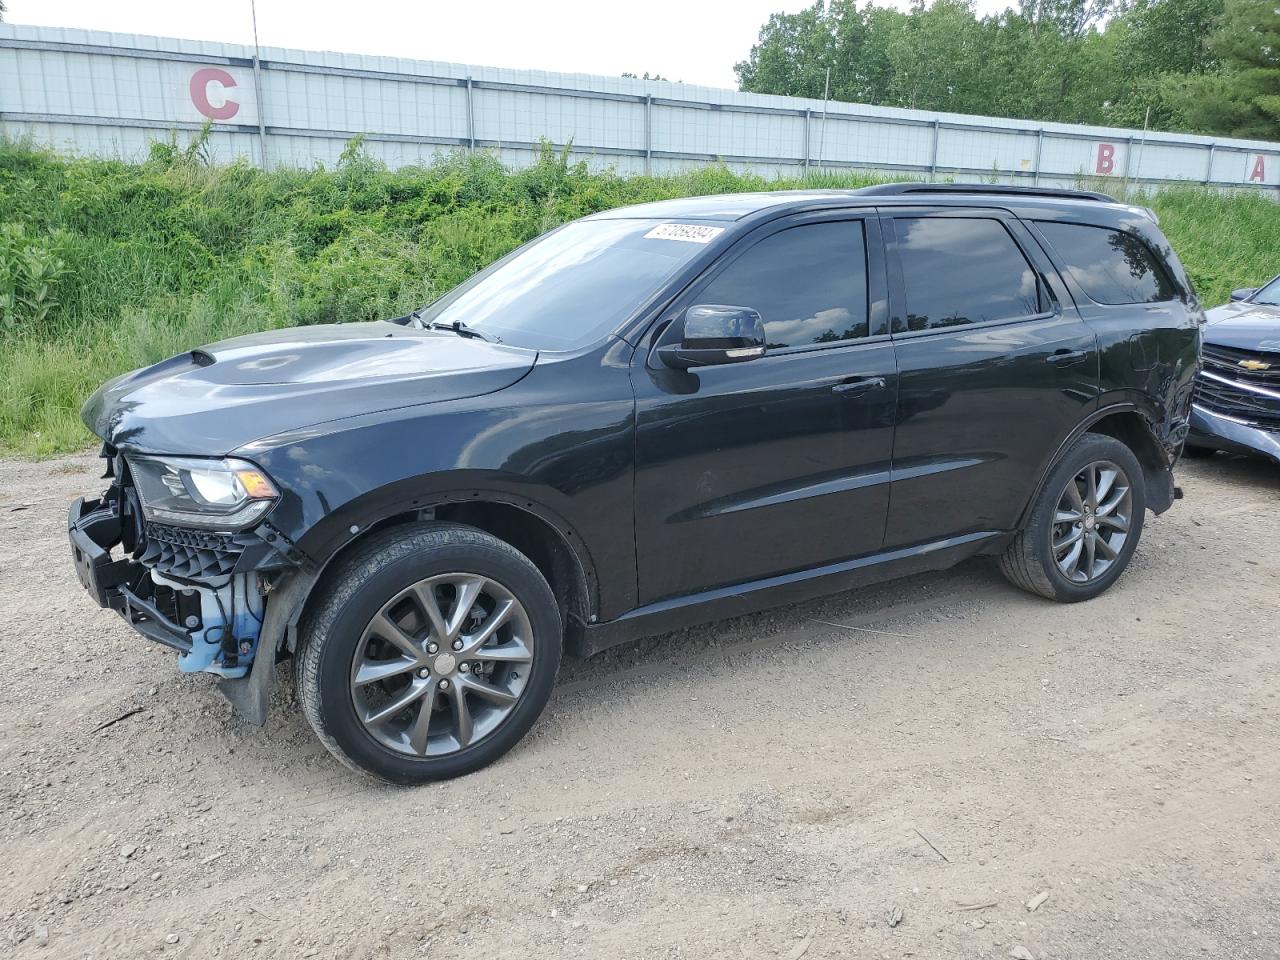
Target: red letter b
x,y
1106,158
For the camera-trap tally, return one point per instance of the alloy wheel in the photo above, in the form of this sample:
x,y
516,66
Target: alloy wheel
x,y
1092,521
442,664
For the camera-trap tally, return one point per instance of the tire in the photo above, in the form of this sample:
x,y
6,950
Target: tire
x,y
1030,562
394,577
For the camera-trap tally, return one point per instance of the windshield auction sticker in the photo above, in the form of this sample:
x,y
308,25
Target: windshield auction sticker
x,y
688,232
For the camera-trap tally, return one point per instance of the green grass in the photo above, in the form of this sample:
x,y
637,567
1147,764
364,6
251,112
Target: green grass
x,y
105,266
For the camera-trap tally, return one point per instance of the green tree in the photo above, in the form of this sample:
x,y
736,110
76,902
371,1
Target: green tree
x,y
1158,45
1244,98
1068,59
1071,19
793,55
861,69
1168,36
1177,63
938,58
924,58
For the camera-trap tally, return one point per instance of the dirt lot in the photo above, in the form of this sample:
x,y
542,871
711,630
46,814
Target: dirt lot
x,y
777,785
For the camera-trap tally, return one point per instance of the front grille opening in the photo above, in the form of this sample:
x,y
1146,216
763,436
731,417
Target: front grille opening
x,y
1246,366
189,554
1244,384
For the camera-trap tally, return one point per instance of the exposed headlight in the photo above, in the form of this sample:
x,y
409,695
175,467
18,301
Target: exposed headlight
x,y
193,492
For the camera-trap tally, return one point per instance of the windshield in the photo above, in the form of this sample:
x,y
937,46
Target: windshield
x,y
1270,294
572,286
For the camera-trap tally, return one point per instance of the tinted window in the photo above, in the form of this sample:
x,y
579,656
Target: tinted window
x,y
1270,294
961,271
1111,266
570,287
808,283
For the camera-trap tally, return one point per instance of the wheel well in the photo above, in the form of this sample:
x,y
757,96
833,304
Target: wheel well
x,y
538,540
1131,429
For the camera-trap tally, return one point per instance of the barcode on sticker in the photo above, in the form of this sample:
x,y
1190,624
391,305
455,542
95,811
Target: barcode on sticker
x,y
688,232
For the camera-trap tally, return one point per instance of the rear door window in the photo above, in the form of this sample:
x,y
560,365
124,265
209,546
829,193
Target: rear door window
x,y
960,270
1111,266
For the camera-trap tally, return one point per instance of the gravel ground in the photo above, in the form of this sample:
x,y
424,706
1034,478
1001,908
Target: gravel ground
x,y
890,773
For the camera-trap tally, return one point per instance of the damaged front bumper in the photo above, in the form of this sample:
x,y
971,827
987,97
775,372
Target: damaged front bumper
x,y
204,595
213,623
1220,431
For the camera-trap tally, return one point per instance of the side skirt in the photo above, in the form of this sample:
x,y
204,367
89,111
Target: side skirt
x,y
756,595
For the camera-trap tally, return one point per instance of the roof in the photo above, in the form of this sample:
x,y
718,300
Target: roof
x,y
737,206
720,206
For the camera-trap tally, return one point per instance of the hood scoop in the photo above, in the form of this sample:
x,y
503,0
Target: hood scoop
x,y
202,358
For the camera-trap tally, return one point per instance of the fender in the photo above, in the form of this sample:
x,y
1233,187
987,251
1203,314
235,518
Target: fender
x,y
332,534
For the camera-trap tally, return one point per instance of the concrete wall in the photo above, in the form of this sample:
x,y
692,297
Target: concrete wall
x,y
111,94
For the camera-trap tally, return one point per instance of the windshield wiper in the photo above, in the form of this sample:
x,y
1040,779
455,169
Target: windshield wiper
x,y
462,330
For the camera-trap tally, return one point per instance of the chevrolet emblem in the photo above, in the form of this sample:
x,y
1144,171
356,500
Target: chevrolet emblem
x,y
1254,365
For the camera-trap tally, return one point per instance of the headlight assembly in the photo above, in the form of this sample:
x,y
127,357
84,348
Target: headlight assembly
x,y
194,492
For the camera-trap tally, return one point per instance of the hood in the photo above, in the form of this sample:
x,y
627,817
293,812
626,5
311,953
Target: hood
x,y
219,397
1244,326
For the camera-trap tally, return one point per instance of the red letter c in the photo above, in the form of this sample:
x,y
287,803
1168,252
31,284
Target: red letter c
x,y
200,81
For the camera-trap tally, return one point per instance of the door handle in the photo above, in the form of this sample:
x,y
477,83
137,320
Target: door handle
x,y
856,388
1065,358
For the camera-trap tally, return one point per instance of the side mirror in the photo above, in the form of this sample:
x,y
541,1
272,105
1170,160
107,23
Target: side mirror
x,y
1244,293
714,334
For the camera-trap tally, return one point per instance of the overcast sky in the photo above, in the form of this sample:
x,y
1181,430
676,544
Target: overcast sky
x,y
690,40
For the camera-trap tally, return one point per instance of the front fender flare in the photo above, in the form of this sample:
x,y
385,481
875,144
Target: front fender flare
x,y
336,531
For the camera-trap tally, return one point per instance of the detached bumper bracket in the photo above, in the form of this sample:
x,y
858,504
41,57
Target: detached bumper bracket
x,y
144,617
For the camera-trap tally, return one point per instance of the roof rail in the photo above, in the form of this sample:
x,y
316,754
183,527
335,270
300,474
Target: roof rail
x,y
901,189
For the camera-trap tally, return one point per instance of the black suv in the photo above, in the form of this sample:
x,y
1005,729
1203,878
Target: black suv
x,y
651,417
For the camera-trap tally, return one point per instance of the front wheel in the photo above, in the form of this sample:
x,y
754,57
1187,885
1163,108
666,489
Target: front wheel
x,y
432,651
1085,523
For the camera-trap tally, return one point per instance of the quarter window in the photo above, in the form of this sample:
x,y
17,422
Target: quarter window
x,y
1112,266
808,283
959,271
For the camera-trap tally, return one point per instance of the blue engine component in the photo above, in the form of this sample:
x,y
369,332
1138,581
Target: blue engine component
x,y
226,639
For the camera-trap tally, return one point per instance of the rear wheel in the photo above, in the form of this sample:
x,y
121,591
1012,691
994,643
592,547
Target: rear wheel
x,y
433,651
1085,523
